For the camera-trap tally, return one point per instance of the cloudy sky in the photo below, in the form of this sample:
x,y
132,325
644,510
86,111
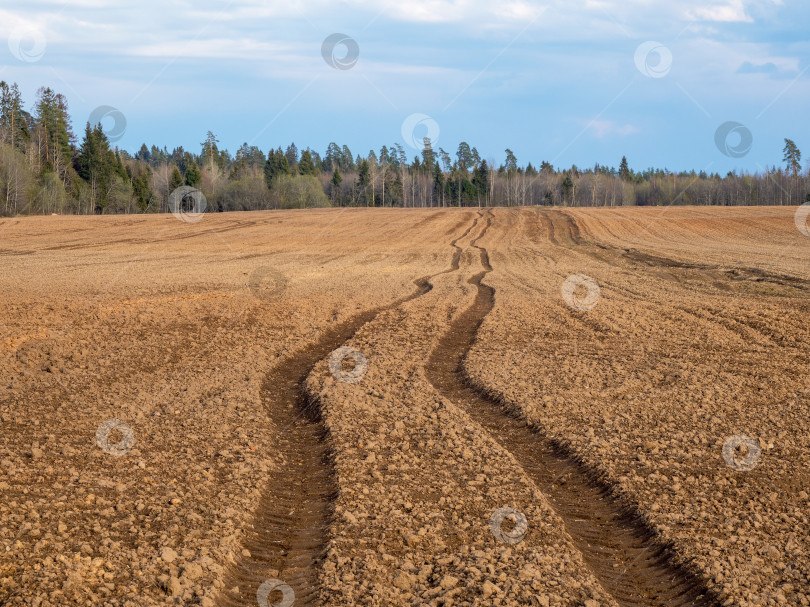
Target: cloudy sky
x,y
567,81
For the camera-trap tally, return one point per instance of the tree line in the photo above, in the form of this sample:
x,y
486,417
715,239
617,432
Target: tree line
x,y
46,168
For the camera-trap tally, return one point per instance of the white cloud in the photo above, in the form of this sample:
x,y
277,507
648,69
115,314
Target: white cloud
x,y
603,128
213,48
732,11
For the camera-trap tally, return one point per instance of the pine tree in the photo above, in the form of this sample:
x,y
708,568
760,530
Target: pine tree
x,y
209,149
447,163
511,164
792,157
346,160
476,157
428,155
13,125
464,157
56,136
332,158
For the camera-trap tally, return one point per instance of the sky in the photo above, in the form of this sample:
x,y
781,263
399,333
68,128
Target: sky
x,y
714,85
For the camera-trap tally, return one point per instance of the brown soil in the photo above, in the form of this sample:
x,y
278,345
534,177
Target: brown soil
x,y
618,547
607,426
288,535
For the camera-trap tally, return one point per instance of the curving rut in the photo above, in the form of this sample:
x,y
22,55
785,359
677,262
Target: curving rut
x,y
288,534
618,547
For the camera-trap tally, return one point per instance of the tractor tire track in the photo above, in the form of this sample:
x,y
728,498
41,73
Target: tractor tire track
x,y
561,223
619,548
288,534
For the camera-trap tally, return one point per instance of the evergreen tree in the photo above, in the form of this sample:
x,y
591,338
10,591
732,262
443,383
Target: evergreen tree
x,y
98,166
176,180
331,159
250,155
625,174
464,157
336,181
275,166
397,189
193,175
210,152
568,188
476,157
511,164
346,160
144,154
158,156
362,174
181,158
140,188
292,158
792,157
447,164
428,155
119,168
13,124
385,156
306,166
438,182
53,122
481,180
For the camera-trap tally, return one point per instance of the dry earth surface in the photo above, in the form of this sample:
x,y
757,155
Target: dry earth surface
x,y
457,407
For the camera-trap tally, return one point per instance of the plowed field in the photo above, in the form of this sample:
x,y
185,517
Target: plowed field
x,y
513,406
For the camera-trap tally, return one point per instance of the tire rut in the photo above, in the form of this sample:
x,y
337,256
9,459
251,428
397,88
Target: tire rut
x,y
288,534
619,548
563,223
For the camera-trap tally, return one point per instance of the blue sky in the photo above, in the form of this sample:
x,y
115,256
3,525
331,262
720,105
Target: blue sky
x,y
564,81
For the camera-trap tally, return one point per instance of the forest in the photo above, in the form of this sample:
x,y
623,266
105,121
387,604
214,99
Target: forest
x,y
45,167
